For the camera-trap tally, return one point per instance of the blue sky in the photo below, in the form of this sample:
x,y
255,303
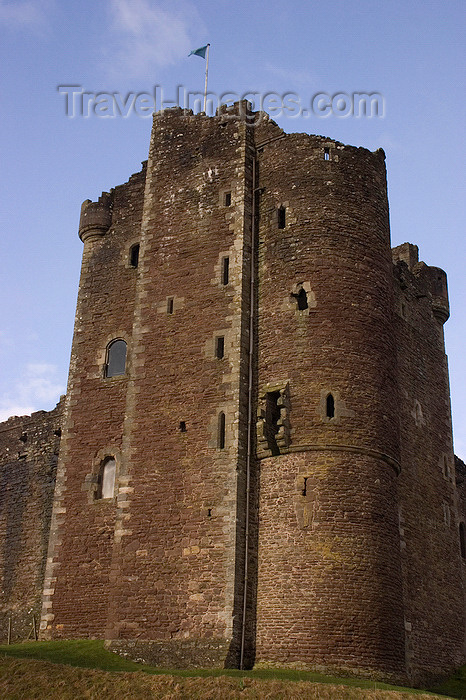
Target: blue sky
x,y
410,52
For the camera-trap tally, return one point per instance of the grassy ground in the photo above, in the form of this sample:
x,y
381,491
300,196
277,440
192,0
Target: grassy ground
x,y
45,670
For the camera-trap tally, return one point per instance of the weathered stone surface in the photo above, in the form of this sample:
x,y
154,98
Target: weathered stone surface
x,y
333,541
29,448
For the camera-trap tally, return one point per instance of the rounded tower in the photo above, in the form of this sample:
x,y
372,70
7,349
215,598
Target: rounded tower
x,y
329,586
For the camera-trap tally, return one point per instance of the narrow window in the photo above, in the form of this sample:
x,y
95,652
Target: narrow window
x,y
183,428
106,479
221,431
24,437
462,541
134,255
116,358
220,347
170,305
281,217
330,406
304,491
209,512
326,153
272,416
227,199
225,270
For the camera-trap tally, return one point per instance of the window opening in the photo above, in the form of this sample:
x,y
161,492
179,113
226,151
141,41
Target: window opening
x,y
302,300
228,199
24,437
326,153
134,255
209,512
106,479
170,305
281,217
272,416
221,431
183,428
225,270
57,432
330,406
462,540
304,491
220,347
116,358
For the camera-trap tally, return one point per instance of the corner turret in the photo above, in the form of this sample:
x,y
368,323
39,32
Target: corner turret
x,y
96,217
436,281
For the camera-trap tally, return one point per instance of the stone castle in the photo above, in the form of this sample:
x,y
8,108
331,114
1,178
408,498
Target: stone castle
x,y
254,460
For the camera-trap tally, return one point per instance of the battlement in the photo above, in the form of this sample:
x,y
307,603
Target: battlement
x,y
265,129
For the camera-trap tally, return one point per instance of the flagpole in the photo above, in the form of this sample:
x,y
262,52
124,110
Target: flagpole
x,y
206,72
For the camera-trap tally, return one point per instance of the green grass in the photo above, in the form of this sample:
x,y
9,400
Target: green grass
x,y
454,686
91,654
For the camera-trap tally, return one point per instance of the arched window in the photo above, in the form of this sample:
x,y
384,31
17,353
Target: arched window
x,y
116,358
221,431
106,479
330,406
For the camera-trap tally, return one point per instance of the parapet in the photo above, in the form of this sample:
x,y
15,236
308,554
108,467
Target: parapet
x,y
96,217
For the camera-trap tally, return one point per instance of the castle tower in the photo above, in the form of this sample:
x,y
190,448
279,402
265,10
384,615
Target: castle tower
x,y
329,571
236,477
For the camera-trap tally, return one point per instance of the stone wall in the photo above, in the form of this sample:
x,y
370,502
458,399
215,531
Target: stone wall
x,y
428,500
81,542
159,562
329,576
28,460
285,497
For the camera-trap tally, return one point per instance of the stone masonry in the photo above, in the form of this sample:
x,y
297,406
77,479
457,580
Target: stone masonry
x,y
29,449
266,382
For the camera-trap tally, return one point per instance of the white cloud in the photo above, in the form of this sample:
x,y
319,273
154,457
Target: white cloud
x,y
26,13
38,389
151,34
